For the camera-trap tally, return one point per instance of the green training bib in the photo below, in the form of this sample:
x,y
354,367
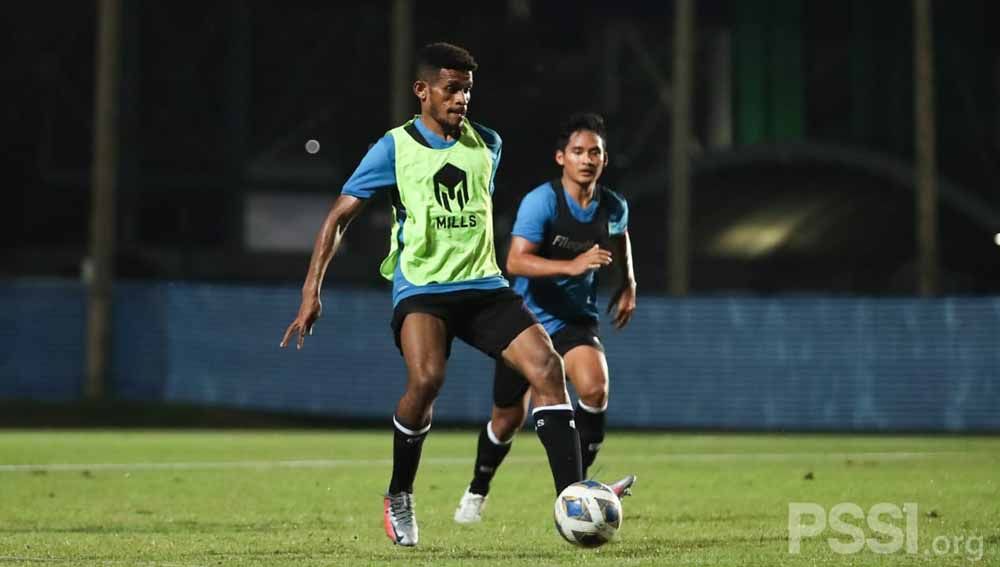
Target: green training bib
x,y
444,197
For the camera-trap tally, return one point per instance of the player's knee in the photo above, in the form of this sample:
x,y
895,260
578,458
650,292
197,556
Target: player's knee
x,y
596,398
426,380
594,395
427,388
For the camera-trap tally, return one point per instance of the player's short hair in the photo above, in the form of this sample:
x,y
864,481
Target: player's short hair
x,y
441,55
590,121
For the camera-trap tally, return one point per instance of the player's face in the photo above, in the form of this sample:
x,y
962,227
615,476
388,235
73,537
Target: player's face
x,y
583,159
446,97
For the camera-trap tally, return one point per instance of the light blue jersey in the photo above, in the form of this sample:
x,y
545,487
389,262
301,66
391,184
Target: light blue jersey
x,y
536,216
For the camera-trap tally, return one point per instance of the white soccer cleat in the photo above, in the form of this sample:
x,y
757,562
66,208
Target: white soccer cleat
x,y
470,508
623,487
400,521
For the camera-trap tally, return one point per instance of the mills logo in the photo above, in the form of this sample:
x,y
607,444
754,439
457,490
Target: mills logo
x,y
451,188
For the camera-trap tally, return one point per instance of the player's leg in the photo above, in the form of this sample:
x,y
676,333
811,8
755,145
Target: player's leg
x,y
503,327
510,405
532,354
587,369
423,339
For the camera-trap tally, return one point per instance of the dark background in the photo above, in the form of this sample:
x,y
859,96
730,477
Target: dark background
x,y
809,190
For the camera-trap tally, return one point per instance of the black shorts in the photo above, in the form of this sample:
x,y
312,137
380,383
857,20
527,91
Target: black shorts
x,y
508,384
485,319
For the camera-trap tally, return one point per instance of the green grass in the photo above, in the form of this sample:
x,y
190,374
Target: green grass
x,y
700,500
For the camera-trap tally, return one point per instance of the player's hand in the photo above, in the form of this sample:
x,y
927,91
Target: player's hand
x,y
622,305
592,259
309,312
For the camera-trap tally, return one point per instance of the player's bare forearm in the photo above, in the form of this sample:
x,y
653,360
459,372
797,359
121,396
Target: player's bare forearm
x,y
328,240
524,260
621,246
535,266
343,211
622,303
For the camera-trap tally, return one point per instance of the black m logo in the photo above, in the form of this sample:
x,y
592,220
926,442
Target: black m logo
x,y
451,186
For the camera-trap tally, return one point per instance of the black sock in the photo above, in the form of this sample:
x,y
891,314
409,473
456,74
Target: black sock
x,y
406,446
590,424
489,455
554,425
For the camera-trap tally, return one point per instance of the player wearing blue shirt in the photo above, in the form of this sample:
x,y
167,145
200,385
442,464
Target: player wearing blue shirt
x,y
565,299
377,172
565,232
439,168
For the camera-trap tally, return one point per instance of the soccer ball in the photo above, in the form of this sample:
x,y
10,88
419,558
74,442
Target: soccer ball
x,y
588,514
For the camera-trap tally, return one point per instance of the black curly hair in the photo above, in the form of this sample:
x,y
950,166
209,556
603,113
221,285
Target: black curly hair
x,y
441,55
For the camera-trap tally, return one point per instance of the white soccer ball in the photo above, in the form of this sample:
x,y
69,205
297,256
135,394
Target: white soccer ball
x,y
588,514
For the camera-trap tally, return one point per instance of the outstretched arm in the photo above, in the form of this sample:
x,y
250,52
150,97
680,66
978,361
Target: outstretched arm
x,y
523,260
331,234
622,302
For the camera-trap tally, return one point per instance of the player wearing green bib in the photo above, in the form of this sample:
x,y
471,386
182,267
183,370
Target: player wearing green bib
x,y
439,168
446,235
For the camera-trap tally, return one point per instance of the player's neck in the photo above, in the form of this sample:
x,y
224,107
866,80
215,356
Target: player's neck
x,y
447,135
583,194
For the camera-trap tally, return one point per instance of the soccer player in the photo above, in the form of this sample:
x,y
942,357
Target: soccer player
x,y
439,168
566,231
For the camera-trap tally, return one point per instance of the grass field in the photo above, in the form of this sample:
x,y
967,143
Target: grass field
x,y
314,498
